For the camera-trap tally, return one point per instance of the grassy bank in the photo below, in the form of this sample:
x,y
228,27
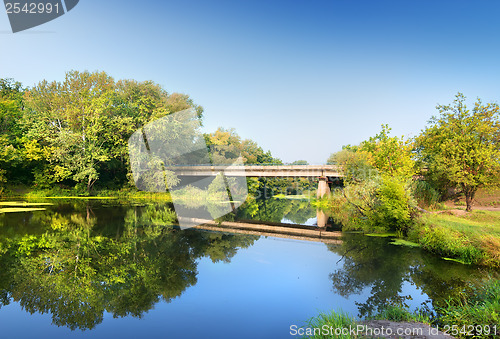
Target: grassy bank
x,y
473,238
56,192
336,320
474,314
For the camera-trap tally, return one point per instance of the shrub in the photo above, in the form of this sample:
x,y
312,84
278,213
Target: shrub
x,y
425,194
475,306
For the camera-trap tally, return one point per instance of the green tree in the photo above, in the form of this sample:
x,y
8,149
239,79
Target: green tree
x,y
77,131
460,147
69,120
11,107
300,162
377,192
230,145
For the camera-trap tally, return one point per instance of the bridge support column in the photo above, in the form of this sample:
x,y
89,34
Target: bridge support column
x,y
321,218
323,187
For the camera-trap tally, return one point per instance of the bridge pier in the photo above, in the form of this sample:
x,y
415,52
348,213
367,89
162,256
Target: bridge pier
x,y
321,218
323,187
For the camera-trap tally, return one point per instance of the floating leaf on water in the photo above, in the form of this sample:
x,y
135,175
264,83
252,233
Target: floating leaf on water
x,y
83,198
23,203
382,235
455,260
20,209
402,242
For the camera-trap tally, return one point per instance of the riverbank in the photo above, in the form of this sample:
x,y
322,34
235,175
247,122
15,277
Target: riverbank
x,y
468,238
475,313
21,192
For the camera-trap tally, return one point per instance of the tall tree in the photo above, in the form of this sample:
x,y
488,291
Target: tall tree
x,y
69,120
461,147
11,106
231,144
78,130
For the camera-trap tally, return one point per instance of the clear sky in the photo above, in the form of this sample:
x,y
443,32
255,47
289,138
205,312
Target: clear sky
x,y
301,78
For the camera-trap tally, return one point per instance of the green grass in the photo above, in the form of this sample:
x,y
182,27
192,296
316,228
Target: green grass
x,y
475,306
335,320
474,223
400,313
470,239
59,193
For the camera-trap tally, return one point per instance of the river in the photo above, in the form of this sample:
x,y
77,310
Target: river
x,y
109,268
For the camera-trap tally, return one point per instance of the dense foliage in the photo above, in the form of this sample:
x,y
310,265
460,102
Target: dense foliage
x,y
461,147
387,179
376,193
74,134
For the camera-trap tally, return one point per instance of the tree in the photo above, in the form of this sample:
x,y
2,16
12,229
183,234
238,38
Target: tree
x,y
230,145
11,106
78,130
69,120
300,162
376,175
460,147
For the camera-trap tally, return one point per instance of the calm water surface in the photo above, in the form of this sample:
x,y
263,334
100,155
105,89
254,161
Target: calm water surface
x,y
102,268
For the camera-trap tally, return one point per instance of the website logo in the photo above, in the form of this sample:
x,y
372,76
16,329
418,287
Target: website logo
x,y
25,14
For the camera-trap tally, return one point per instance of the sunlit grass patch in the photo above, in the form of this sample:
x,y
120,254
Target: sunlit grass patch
x,y
476,222
470,239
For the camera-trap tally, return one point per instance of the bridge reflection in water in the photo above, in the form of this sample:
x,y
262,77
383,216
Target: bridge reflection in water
x,y
317,233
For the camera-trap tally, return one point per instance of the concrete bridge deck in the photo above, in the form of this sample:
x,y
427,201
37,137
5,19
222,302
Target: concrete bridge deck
x,y
297,171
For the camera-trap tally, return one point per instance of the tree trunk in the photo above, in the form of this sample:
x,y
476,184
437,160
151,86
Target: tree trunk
x,y
90,184
469,196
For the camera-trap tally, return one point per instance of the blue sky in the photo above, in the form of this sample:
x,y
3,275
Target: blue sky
x,y
301,78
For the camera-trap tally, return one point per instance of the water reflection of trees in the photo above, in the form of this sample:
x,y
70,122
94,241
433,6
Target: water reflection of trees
x,y
370,263
274,210
76,262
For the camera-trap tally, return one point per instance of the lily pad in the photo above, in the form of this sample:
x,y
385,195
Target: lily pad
x,y
83,198
382,235
402,242
20,209
23,203
455,260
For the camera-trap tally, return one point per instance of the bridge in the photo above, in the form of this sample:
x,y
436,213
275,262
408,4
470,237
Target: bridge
x,y
323,172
